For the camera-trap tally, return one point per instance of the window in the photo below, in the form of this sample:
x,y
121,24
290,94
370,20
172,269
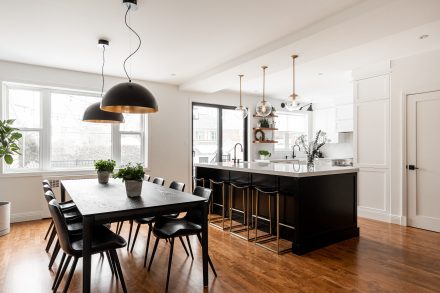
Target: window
x,y
55,137
290,127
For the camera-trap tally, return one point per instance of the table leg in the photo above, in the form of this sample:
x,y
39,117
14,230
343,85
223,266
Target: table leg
x,y
63,193
87,257
205,243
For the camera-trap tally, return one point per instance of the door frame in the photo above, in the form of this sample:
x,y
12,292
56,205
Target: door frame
x,y
404,154
220,130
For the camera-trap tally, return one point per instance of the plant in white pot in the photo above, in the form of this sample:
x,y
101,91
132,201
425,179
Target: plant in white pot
x,y
9,139
264,154
104,168
132,175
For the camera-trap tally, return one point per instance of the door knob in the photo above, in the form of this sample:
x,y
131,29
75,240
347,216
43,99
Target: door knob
x,y
412,167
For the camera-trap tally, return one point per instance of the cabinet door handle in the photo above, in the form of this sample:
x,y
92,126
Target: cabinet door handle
x,y
412,167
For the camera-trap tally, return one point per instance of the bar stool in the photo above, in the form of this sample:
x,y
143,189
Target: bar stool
x,y
265,239
214,221
244,188
197,180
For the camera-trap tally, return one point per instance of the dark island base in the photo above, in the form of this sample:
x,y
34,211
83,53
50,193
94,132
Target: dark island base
x,y
323,209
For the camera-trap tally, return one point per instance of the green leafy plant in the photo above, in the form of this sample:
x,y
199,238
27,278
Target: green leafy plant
x,y
9,138
105,165
264,153
264,122
131,172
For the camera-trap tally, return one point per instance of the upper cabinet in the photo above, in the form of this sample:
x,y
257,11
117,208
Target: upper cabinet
x,y
344,118
325,120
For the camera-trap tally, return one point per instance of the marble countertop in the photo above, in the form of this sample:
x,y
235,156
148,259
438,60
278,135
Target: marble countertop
x,y
280,169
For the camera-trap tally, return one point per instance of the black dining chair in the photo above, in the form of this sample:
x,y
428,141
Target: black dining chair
x,y
103,240
191,224
159,181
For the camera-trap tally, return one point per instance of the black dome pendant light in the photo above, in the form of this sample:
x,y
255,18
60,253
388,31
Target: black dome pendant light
x,y
93,112
129,97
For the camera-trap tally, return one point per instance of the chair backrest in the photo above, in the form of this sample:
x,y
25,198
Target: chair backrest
x,y
177,186
47,188
159,181
46,182
147,177
49,196
60,226
195,215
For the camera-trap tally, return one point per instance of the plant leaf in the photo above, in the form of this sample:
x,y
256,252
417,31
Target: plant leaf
x,y
9,160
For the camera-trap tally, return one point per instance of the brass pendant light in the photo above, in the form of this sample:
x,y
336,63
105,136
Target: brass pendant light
x,y
263,108
129,97
241,111
93,113
292,104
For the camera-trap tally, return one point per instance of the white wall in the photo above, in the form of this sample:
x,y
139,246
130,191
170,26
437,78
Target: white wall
x,y
169,131
409,75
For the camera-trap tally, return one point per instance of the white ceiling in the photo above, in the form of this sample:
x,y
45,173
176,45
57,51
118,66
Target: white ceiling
x,y
207,43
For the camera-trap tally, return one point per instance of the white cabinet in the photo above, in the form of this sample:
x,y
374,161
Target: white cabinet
x,y
344,118
325,120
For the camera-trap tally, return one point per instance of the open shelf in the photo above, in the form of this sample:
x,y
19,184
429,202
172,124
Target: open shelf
x,y
265,141
270,116
265,128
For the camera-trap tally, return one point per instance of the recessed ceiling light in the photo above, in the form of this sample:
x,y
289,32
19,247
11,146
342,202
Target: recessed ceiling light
x,y
320,73
172,74
423,37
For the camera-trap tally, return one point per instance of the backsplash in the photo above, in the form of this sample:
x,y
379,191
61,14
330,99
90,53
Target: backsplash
x,y
343,149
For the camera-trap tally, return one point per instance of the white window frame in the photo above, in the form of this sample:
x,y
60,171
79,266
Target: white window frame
x,y
45,129
309,133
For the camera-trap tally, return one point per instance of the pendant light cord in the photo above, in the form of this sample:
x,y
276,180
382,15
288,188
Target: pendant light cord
x,y
241,76
264,82
102,70
137,49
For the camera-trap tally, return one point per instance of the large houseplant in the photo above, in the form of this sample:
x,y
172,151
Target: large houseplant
x,y
104,168
132,175
9,139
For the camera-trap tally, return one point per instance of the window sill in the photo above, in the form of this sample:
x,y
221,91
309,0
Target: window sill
x,y
53,173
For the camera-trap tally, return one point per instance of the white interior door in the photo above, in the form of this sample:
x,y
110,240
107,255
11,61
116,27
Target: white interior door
x,y
423,145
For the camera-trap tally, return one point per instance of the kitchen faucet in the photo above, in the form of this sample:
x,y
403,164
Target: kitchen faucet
x,y
293,150
237,161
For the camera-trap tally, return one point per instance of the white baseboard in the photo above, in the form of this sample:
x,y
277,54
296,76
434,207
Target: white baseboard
x,y
382,216
29,216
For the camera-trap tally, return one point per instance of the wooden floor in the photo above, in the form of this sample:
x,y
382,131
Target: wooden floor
x,y
386,258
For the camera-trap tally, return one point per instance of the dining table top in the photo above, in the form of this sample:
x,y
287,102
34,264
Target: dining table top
x,y
93,198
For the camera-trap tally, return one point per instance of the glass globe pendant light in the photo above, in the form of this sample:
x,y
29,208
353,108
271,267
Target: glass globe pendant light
x,y
263,108
292,104
242,112
93,113
129,97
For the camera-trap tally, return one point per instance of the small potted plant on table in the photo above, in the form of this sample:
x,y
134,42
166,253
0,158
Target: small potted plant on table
x,y
9,139
132,175
104,168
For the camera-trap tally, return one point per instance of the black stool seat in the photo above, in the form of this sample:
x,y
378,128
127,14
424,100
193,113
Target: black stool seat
x,y
220,181
102,240
175,228
239,185
266,190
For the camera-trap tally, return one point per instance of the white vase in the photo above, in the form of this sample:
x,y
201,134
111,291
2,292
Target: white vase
x,y
133,188
262,157
5,217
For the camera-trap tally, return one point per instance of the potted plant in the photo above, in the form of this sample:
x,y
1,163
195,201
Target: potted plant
x,y
104,168
132,175
264,154
9,139
264,123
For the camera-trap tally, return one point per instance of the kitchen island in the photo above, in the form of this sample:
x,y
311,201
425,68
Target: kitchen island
x,y
320,203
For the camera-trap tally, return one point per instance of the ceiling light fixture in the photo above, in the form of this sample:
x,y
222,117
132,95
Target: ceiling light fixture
x,y
93,113
263,108
292,104
241,111
129,97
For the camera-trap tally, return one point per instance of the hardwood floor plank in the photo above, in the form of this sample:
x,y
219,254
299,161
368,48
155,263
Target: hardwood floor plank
x,y
386,258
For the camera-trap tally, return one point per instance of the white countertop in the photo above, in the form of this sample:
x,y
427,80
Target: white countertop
x,y
280,169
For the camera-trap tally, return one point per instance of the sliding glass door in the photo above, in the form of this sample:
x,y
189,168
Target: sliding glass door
x,y
215,131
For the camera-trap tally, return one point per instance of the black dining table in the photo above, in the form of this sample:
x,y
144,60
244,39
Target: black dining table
x,y
107,203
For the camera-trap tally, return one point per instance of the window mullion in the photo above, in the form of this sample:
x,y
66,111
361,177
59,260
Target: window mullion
x,y
116,143
45,141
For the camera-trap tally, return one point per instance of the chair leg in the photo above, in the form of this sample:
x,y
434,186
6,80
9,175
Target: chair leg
x,y
189,246
48,230
63,271
119,269
120,227
129,234
51,238
209,258
69,278
117,227
154,252
184,246
135,236
150,228
169,262
63,257
110,262
54,254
